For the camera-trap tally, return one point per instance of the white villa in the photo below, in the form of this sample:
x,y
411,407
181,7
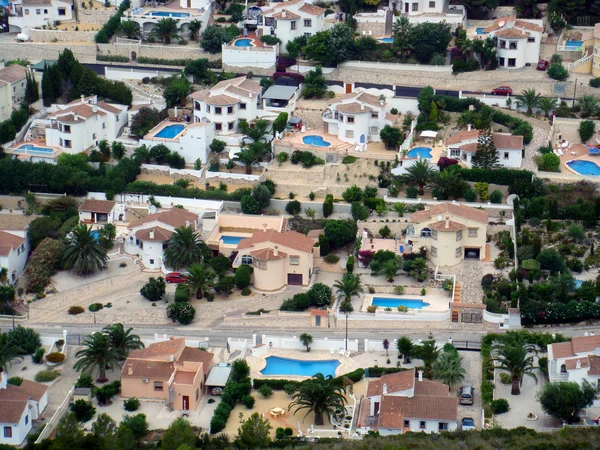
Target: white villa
x,y
15,79
25,14
148,237
14,248
398,403
356,118
519,41
226,103
281,98
576,360
463,146
420,11
81,124
291,19
92,211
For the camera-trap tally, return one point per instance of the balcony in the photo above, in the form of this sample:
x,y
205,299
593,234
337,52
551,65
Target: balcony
x,y
331,116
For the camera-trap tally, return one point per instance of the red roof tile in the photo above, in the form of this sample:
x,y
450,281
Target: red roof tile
x,y
289,239
395,382
455,209
175,217
97,206
9,242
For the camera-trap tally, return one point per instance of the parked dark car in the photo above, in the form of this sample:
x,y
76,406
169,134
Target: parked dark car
x,y
502,90
175,277
542,65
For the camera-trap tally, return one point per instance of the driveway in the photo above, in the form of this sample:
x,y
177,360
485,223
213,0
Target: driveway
x,y
472,364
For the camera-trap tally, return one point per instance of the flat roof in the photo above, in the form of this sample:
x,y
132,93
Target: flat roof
x,y
280,92
218,376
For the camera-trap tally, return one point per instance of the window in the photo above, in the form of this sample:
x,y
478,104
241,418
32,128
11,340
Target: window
x,y
246,259
459,235
103,126
217,110
94,136
67,128
308,23
502,44
530,39
512,62
294,260
60,142
197,394
501,62
38,12
62,11
67,143
458,252
293,25
506,155
512,45
349,134
374,130
218,126
158,385
307,35
415,6
473,232
442,426
242,106
434,235
26,420
231,125
374,115
350,119
152,262
45,11
7,432
432,4
406,423
230,110
433,251
422,424
26,12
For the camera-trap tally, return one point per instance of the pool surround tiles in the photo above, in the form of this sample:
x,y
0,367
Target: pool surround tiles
x,y
279,366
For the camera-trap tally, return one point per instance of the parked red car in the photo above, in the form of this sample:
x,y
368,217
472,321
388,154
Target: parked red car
x,y
542,65
502,90
175,277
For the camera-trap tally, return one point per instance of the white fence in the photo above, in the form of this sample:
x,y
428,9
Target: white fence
x,y
120,74
495,318
171,171
53,422
259,57
195,343
238,344
166,202
396,66
232,176
294,343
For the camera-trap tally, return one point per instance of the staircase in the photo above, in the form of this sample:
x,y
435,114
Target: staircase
x,y
457,290
580,62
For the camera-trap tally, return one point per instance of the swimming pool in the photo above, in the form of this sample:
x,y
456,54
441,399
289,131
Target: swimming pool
x,y
170,131
285,366
480,31
573,45
578,283
584,167
95,234
34,149
390,302
243,43
419,152
168,14
386,40
315,140
231,240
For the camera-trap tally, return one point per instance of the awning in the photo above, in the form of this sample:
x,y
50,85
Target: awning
x,y
429,134
280,92
218,376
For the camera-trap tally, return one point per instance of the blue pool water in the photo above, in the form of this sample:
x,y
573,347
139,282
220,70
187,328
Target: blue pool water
x,y
574,45
170,131
243,43
95,234
585,167
231,240
578,283
34,149
315,140
388,302
480,31
386,40
168,14
419,152
285,366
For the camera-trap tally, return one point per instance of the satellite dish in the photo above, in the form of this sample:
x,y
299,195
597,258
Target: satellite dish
x,y
501,23
597,351
152,209
439,218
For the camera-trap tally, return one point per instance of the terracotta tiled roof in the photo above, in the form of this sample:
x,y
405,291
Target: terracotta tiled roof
x,y
141,368
431,388
594,362
455,209
451,226
512,33
289,239
160,234
469,148
352,108
395,382
508,141
371,99
9,242
562,350
250,85
160,351
528,25
196,355
395,409
83,110
462,136
284,14
221,100
33,389
110,108
14,73
287,3
572,363
175,217
314,234
585,344
97,206
36,2
268,254
311,9
13,404
496,25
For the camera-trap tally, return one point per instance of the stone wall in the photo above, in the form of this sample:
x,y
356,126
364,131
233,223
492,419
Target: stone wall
x,y
377,28
94,16
85,53
60,36
191,51
255,70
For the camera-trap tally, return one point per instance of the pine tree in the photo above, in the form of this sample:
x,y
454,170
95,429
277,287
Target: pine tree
x,y
87,83
32,93
486,155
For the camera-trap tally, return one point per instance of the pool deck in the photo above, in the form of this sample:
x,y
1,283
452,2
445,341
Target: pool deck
x,y
151,135
16,150
258,363
438,300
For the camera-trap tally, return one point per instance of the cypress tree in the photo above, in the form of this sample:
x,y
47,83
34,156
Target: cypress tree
x,y
486,155
32,93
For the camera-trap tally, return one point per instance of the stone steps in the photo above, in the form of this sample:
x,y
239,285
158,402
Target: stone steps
x,y
457,291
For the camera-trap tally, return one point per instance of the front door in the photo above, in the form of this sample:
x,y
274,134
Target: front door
x,y
406,7
186,402
294,279
348,88
189,3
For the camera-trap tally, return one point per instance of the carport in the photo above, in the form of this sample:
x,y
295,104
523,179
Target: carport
x,y
217,378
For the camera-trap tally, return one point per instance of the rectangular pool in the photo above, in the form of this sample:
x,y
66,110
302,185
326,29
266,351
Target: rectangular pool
x,y
573,45
34,149
170,131
285,366
231,240
168,14
390,302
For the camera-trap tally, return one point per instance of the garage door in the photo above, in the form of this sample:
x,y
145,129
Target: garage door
x,y
294,279
472,253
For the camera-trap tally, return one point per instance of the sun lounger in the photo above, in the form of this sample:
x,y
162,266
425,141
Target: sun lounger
x,y
594,151
347,354
341,351
332,351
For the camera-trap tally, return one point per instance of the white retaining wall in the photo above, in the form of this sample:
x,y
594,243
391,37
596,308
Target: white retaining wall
x,y
294,343
166,202
168,170
262,58
232,176
195,343
113,73
395,66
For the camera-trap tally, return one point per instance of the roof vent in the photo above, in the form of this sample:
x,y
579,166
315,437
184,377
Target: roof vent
x,y
275,251
171,358
578,364
283,13
82,99
151,234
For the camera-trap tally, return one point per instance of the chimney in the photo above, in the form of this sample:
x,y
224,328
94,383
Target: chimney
x,y
384,388
250,94
275,251
578,364
82,99
171,338
447,222
171,358
151,234
362,106
129,369
3,379
586,334
592,333
283,13
95,108
469,127
420,375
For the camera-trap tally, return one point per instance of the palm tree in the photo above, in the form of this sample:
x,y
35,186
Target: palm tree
x,y
165,30
400,208
547,104
428,353
83,253
405,348
528,99
142,154
130,29
390,269
99,354
185,248
247,157
320,395
306,340
448,368
401,31
123,340
201,279
194,27
512,356
588,105
421,174
9,353
257,137
349,286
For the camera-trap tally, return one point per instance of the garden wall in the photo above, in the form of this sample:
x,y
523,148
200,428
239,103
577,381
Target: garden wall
x,y
294,343
94,16
191,51
37,35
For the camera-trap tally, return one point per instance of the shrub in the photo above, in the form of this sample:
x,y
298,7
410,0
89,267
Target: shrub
x,y
246,292
411,192
55,357
319,294
500,406
556,71
182,312
95,307
586,130
331,259
482,191
131,404
74,310
470,195
595,82
46,375
505,378
248,401
327,208
27,339
107,392
85,380
353,194
83,410
423,291
548,162
398,290
154,289
38,356
266,390
243,276
350,264
270,40
294,207
496,196
182,293
306,158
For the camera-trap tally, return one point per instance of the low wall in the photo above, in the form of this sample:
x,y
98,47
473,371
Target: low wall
x,y
260,71
233,176
294,343
195,343
119,74
373,65
191,51
176,174
338,208
167,202
37,35
94,16
255,57
85,53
